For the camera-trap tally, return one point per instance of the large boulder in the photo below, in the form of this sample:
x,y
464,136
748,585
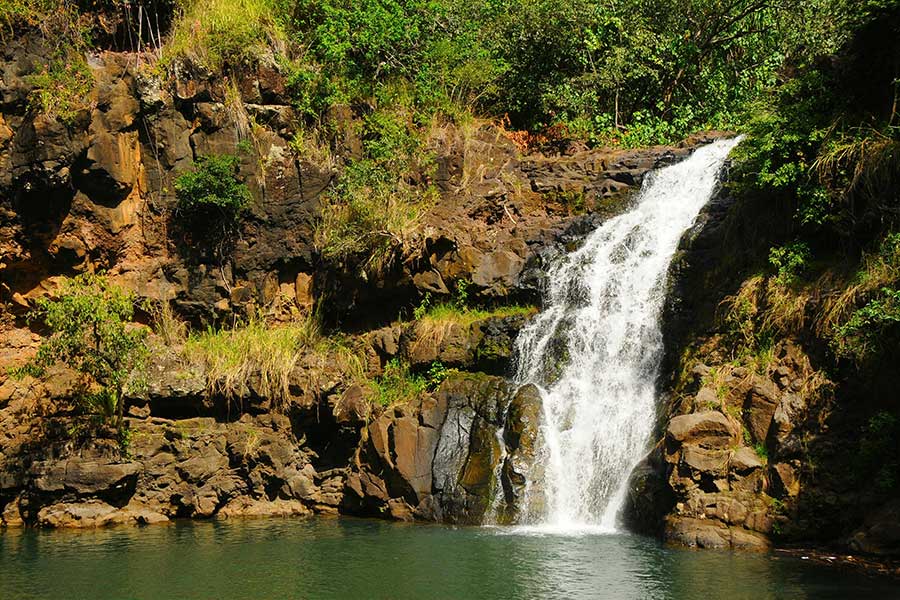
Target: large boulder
x,y
466,453
710,429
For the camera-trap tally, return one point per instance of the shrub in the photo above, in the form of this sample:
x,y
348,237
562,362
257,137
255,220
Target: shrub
x,y
789,261
90,332
436,375
212,190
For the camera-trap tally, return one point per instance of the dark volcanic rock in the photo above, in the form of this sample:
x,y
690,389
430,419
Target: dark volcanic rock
x,y
443,458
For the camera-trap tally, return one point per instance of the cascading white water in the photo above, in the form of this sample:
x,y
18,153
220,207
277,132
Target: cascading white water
x,y
595,349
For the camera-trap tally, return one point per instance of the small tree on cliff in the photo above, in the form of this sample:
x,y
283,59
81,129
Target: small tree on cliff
x,y
211,200
91,333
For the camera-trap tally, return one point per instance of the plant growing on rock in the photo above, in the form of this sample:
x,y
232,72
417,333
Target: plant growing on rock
x,y
212,189
91,332
397,385
211,199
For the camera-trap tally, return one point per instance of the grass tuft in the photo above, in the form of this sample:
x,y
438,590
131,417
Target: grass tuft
x,y
233,356
216,33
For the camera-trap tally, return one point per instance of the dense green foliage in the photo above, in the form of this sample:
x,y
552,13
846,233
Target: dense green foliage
x,y
827,142
89,321
212,191
626,71
592,66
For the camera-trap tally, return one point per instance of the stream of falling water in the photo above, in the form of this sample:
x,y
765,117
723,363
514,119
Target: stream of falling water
x,y
595,349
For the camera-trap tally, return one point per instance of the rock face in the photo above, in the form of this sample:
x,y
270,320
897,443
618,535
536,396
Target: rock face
x,y
200,466
98,194
458,457
725,473
715,481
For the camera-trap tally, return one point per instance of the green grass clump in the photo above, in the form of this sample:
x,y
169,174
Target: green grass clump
x,y
761,451
448,312
232,356
458,309
398,385
215,33
15,13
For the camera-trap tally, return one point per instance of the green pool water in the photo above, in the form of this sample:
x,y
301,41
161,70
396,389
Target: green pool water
x,y
349,558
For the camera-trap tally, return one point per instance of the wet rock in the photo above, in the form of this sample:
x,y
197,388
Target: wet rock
x,y
522,472
443,457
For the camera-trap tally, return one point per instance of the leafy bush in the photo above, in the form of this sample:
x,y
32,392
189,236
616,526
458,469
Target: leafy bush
x,y
91,333
437,373
870,327
212,190
789,261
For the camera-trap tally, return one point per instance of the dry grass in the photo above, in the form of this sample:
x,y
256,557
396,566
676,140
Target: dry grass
x,y
371,221
237,113
269,355
786,308
764,306
879,270
218,32
167,325
232,356
867,163
311,144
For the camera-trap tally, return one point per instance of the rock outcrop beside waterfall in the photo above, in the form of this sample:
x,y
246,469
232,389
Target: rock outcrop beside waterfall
x,y
754,451
462,456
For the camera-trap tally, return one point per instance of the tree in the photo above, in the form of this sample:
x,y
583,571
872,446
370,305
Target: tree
x,y
90,321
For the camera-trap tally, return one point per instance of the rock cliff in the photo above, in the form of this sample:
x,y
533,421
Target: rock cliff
x,y
96,193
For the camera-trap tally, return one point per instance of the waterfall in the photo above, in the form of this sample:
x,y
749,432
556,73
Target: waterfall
x,y
595,349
